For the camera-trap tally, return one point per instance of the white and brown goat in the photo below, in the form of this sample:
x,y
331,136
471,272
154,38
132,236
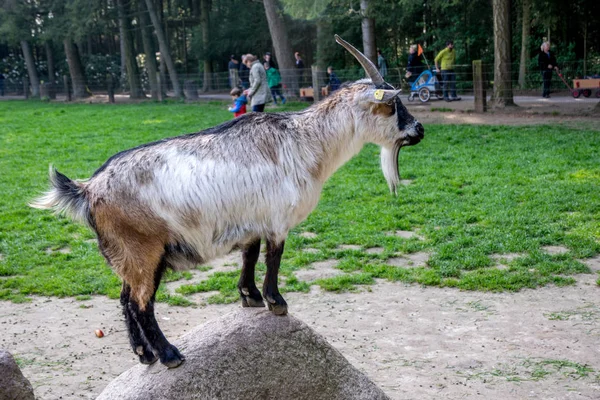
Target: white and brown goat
x,y
185,200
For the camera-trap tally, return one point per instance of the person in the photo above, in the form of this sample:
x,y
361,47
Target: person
x,y
446,59
234,68
244,74
546,63
268,59
334,82
2,84
239,102
274,81
381,64
415,64
258,92
299,67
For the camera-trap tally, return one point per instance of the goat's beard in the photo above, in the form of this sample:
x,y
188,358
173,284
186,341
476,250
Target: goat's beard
x,y
389,165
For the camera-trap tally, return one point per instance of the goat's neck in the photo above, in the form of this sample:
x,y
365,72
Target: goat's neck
x,y
333,137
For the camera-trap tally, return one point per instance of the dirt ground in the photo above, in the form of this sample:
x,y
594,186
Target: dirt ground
x,y
416,343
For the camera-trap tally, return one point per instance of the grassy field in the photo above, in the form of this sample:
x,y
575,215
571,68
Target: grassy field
x,y
475,192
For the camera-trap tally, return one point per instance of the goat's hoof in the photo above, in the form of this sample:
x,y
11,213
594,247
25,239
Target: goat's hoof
x,y
251,297
277,304
146,356
171,357
248,301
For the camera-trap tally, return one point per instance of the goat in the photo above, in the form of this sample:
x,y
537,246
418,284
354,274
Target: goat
x,y
183,201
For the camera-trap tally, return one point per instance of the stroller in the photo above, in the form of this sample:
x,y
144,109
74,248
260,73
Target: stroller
x,y
425,86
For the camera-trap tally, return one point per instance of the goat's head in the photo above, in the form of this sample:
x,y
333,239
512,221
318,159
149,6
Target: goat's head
x,y
387,122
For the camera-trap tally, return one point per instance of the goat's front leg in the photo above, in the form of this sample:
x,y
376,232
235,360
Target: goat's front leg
x,y
271,293
138,343
246,286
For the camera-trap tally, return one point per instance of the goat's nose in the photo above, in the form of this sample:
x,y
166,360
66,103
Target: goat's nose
x,y
420,130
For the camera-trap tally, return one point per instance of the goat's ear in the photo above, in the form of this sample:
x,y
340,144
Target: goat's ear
x,y
376,96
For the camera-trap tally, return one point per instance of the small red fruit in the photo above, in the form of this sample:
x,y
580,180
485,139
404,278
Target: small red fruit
x,y
99,333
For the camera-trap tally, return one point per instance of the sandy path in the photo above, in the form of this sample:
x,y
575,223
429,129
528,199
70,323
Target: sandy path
x,y
416,343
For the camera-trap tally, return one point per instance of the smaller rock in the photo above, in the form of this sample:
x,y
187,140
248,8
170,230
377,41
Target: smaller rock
x,y
14,385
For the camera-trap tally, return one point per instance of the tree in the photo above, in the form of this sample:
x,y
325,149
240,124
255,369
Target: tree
x,y
133,73
75,69
16,25
34,80
205,23
281,43
165,52
503,94
526,27
368,32
149,53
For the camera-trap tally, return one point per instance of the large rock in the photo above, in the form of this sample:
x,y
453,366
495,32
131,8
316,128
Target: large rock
x,y
13,385
249,354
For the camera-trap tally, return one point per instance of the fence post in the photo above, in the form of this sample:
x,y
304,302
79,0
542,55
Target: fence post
x,y
160,88
26,88
66,85
314,69
111,88
479,87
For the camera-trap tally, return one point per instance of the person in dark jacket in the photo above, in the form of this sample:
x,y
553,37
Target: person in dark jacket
x,y
415,64
334,82
546,63
234,68
244,74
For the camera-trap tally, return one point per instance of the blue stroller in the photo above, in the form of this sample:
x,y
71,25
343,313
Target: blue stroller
x,y
425,86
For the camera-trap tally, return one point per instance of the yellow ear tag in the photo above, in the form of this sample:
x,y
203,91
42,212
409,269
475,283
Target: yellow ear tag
x,y
378,94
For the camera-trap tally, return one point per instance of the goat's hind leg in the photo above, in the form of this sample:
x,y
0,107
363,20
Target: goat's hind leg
x,y
246,286
138,342
271,293
142,309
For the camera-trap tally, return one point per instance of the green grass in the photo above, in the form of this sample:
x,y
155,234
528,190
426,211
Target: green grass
x,y
476,191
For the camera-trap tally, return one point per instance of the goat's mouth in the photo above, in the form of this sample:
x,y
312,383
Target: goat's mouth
x,y
389,164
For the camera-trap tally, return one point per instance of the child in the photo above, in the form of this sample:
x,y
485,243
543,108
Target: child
x,y
239,102
274,81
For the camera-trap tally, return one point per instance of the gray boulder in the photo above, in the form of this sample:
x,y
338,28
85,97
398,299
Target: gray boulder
x,y
249,354
13,385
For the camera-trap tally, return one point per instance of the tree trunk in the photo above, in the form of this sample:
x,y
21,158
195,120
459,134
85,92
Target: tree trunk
x,y
526,27
281,44
324,35
150,54
133,73
50,60
164,48
503,95
123,52
205,22
75,69
34,80
368,32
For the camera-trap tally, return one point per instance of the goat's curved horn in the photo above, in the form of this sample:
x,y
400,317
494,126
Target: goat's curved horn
x,y
367,64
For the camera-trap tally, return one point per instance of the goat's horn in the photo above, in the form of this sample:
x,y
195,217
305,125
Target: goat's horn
x,y
367,64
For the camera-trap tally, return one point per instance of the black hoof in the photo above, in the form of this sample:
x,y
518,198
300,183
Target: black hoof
x,y
277,304
171,357
146,356
251,298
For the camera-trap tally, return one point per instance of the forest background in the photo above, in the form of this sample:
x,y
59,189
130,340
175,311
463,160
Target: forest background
x,y
152,45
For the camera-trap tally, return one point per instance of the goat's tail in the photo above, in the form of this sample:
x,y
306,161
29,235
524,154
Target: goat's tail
x,y
65,197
